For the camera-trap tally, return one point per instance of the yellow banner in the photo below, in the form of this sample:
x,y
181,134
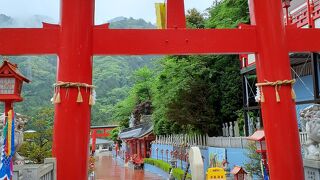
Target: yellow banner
x,y
161,13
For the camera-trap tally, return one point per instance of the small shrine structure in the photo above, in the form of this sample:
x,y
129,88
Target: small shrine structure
x,y
138,142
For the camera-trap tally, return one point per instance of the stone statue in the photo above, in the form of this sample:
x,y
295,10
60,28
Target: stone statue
x,y
227,130
251,126
231,130
258,125
223,130
236,129
20,121
131,120
310,118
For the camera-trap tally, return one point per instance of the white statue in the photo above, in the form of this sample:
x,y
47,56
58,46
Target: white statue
x,y
258,125
131,121
231,130
310,118
236,129
251,126
223,130
196,163
227,130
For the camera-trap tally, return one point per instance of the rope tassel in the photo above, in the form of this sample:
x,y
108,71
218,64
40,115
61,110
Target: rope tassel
x,y
91,99
277,94
57,100
67,85
293,94
262,96
79,98
277,85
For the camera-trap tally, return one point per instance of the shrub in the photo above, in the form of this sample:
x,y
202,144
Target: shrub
x,y
177,172
158,163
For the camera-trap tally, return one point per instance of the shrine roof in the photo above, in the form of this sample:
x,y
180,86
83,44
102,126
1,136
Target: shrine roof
x,y
257,136
101,141
238,169
103,127
137,131
14,68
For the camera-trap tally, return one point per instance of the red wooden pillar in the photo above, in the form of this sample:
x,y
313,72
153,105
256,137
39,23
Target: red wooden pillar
x,y
72,119
279,118
7,107
94,138
175,14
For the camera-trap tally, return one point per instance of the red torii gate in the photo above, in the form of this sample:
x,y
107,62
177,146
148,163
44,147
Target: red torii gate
x,y
76,40
100,132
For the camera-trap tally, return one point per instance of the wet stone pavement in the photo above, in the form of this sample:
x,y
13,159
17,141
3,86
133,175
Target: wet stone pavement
x,y
109,169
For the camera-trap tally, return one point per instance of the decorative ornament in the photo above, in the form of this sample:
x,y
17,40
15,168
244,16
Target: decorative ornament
x,y
79,97
277,84
57,98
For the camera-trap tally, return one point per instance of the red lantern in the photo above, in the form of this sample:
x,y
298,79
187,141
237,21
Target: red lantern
x,y
11,82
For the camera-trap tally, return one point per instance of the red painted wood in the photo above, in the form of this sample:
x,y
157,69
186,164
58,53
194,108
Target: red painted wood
x,y
175,14
19,41
94,138
173,41
279,119
302,40
72,119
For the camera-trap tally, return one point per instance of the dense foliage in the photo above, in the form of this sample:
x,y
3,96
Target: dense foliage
x,y
37,145
196,94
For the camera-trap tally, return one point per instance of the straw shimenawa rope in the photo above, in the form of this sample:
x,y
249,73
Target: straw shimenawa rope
x,y
57,99
277,85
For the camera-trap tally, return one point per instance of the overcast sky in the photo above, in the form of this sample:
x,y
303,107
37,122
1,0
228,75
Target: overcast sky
x,y
105,9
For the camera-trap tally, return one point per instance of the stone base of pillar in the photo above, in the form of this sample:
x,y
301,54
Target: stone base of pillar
x,y
311,169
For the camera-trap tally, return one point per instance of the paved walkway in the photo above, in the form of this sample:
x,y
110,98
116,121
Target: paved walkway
x,y
109,169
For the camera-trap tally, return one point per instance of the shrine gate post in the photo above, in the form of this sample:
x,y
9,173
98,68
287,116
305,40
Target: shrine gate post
x,y
273,64
72,119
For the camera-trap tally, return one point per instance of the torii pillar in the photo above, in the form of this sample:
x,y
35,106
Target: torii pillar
x,y
72,120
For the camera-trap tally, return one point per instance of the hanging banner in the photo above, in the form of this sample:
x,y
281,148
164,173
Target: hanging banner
x,y
161,14
7,148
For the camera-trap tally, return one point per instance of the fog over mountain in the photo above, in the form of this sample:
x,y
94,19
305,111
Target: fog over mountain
x,y
111,74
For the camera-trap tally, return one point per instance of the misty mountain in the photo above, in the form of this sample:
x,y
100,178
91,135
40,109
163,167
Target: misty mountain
x,y
111,74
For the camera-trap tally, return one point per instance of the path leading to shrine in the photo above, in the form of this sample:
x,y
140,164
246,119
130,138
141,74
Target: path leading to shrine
x,y
109,169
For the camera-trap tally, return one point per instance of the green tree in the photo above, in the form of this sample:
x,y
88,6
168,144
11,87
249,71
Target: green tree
x,y
37,145
254,164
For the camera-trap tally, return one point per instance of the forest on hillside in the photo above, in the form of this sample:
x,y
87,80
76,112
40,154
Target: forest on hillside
x,y
112,75
191,94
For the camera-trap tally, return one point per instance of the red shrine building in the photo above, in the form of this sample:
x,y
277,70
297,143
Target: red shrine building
x,y
136,143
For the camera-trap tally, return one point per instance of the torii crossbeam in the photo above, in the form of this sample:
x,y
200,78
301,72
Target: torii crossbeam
x,y
76,40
